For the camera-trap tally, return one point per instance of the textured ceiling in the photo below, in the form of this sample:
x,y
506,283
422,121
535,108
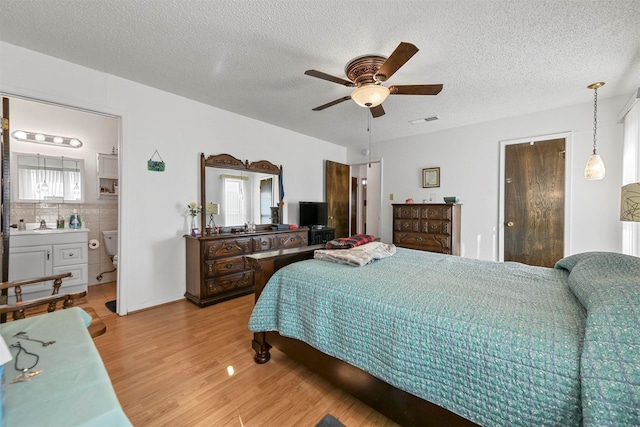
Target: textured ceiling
x,y
495,58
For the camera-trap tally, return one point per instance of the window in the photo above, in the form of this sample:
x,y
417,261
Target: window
x,y
234,201
48,179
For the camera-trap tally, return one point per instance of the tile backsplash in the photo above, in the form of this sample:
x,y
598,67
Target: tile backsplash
x,y
96,217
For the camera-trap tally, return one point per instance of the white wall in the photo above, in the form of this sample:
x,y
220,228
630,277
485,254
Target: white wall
x,y
469,160
152,205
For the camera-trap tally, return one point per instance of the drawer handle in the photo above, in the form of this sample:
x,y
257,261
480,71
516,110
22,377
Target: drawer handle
x,y
419,239
70,254
434,227
292,239
264,243
71,277
229,265
229,247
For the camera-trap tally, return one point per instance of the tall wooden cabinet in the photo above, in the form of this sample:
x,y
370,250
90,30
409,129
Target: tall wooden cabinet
x,y
217,268
432,227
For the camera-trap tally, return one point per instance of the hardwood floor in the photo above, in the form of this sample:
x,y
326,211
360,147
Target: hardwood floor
x,y
182,365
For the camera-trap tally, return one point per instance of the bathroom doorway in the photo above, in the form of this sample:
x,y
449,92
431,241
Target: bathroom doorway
x,y
98,206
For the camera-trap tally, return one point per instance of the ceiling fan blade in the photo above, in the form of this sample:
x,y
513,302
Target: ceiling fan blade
x,y
325,76
402,54
332,103
377,111
415,89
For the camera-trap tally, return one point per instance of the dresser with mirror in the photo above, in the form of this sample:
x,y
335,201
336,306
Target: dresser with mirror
x,y
241,210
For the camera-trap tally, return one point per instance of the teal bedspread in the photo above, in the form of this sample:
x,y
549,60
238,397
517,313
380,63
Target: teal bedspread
x,y
497,343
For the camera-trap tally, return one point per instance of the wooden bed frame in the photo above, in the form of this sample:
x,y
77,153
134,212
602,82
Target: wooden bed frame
x,y
398,405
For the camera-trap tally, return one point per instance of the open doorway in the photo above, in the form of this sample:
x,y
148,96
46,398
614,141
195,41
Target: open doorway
x,y
366,198
96,201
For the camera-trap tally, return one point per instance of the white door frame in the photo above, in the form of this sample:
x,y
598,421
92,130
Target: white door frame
x,y
567,186
122,299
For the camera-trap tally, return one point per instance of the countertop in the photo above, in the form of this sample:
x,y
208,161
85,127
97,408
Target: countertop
x,y
35,229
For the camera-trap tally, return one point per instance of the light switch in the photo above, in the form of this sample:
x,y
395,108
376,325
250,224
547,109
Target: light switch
x,y
391,196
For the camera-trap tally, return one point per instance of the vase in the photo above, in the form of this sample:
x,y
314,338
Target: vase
x,y
193,223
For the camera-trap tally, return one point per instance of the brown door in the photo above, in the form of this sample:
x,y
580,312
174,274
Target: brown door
x,y
534,202
337,196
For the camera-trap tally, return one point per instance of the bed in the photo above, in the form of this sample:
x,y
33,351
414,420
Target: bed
x,y
476,341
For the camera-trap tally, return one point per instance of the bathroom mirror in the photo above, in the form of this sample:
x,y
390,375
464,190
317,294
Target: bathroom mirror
x,y
40,178
241,192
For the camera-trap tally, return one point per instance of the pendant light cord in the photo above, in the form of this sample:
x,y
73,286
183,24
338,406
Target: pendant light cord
x,y
595,117
369,130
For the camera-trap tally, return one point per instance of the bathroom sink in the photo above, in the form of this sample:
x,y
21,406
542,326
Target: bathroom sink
x,y
48,230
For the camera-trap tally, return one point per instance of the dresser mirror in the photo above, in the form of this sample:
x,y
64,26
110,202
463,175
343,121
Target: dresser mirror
x,y
236,192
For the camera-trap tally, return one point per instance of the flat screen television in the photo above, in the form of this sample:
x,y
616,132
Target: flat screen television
x,y
313,214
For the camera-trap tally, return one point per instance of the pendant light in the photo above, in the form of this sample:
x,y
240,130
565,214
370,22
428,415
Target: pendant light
x,y
45,186
76,187
38,179
595,169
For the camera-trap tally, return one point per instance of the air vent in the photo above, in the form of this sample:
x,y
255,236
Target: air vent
x,y
426,119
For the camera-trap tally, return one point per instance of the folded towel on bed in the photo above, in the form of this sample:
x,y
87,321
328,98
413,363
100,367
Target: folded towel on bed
x,y
357,256
350,242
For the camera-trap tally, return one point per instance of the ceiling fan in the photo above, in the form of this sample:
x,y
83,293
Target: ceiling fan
x,y
366,73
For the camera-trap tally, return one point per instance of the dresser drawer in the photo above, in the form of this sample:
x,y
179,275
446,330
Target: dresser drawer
x,y
291,240
435,212
224,266
228,247
435,227
406,212
264,243
225,284
428,242
406,225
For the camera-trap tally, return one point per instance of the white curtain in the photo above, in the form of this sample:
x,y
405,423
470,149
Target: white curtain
x,y
631,171
59,183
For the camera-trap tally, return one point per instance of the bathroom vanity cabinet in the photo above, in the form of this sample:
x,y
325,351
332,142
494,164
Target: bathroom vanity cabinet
x,y
43,253
217,267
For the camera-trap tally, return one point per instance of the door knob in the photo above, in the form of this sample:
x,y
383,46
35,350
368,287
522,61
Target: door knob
x,y
510,224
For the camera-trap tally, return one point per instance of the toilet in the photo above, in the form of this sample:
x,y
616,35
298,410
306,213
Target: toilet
x,y
110,239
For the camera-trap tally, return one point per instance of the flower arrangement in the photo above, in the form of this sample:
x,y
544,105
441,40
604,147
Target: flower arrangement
x,y
194,209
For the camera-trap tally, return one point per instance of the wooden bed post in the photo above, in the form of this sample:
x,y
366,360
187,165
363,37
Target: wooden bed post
x,y
264,264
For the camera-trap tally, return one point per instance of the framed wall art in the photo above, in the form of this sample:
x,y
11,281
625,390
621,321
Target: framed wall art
x,y
430,177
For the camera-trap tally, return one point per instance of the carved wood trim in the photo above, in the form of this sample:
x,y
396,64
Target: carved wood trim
x,y
226,161
264,166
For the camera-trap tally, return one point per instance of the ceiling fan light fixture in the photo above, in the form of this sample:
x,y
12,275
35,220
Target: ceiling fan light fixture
x,y
370,95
